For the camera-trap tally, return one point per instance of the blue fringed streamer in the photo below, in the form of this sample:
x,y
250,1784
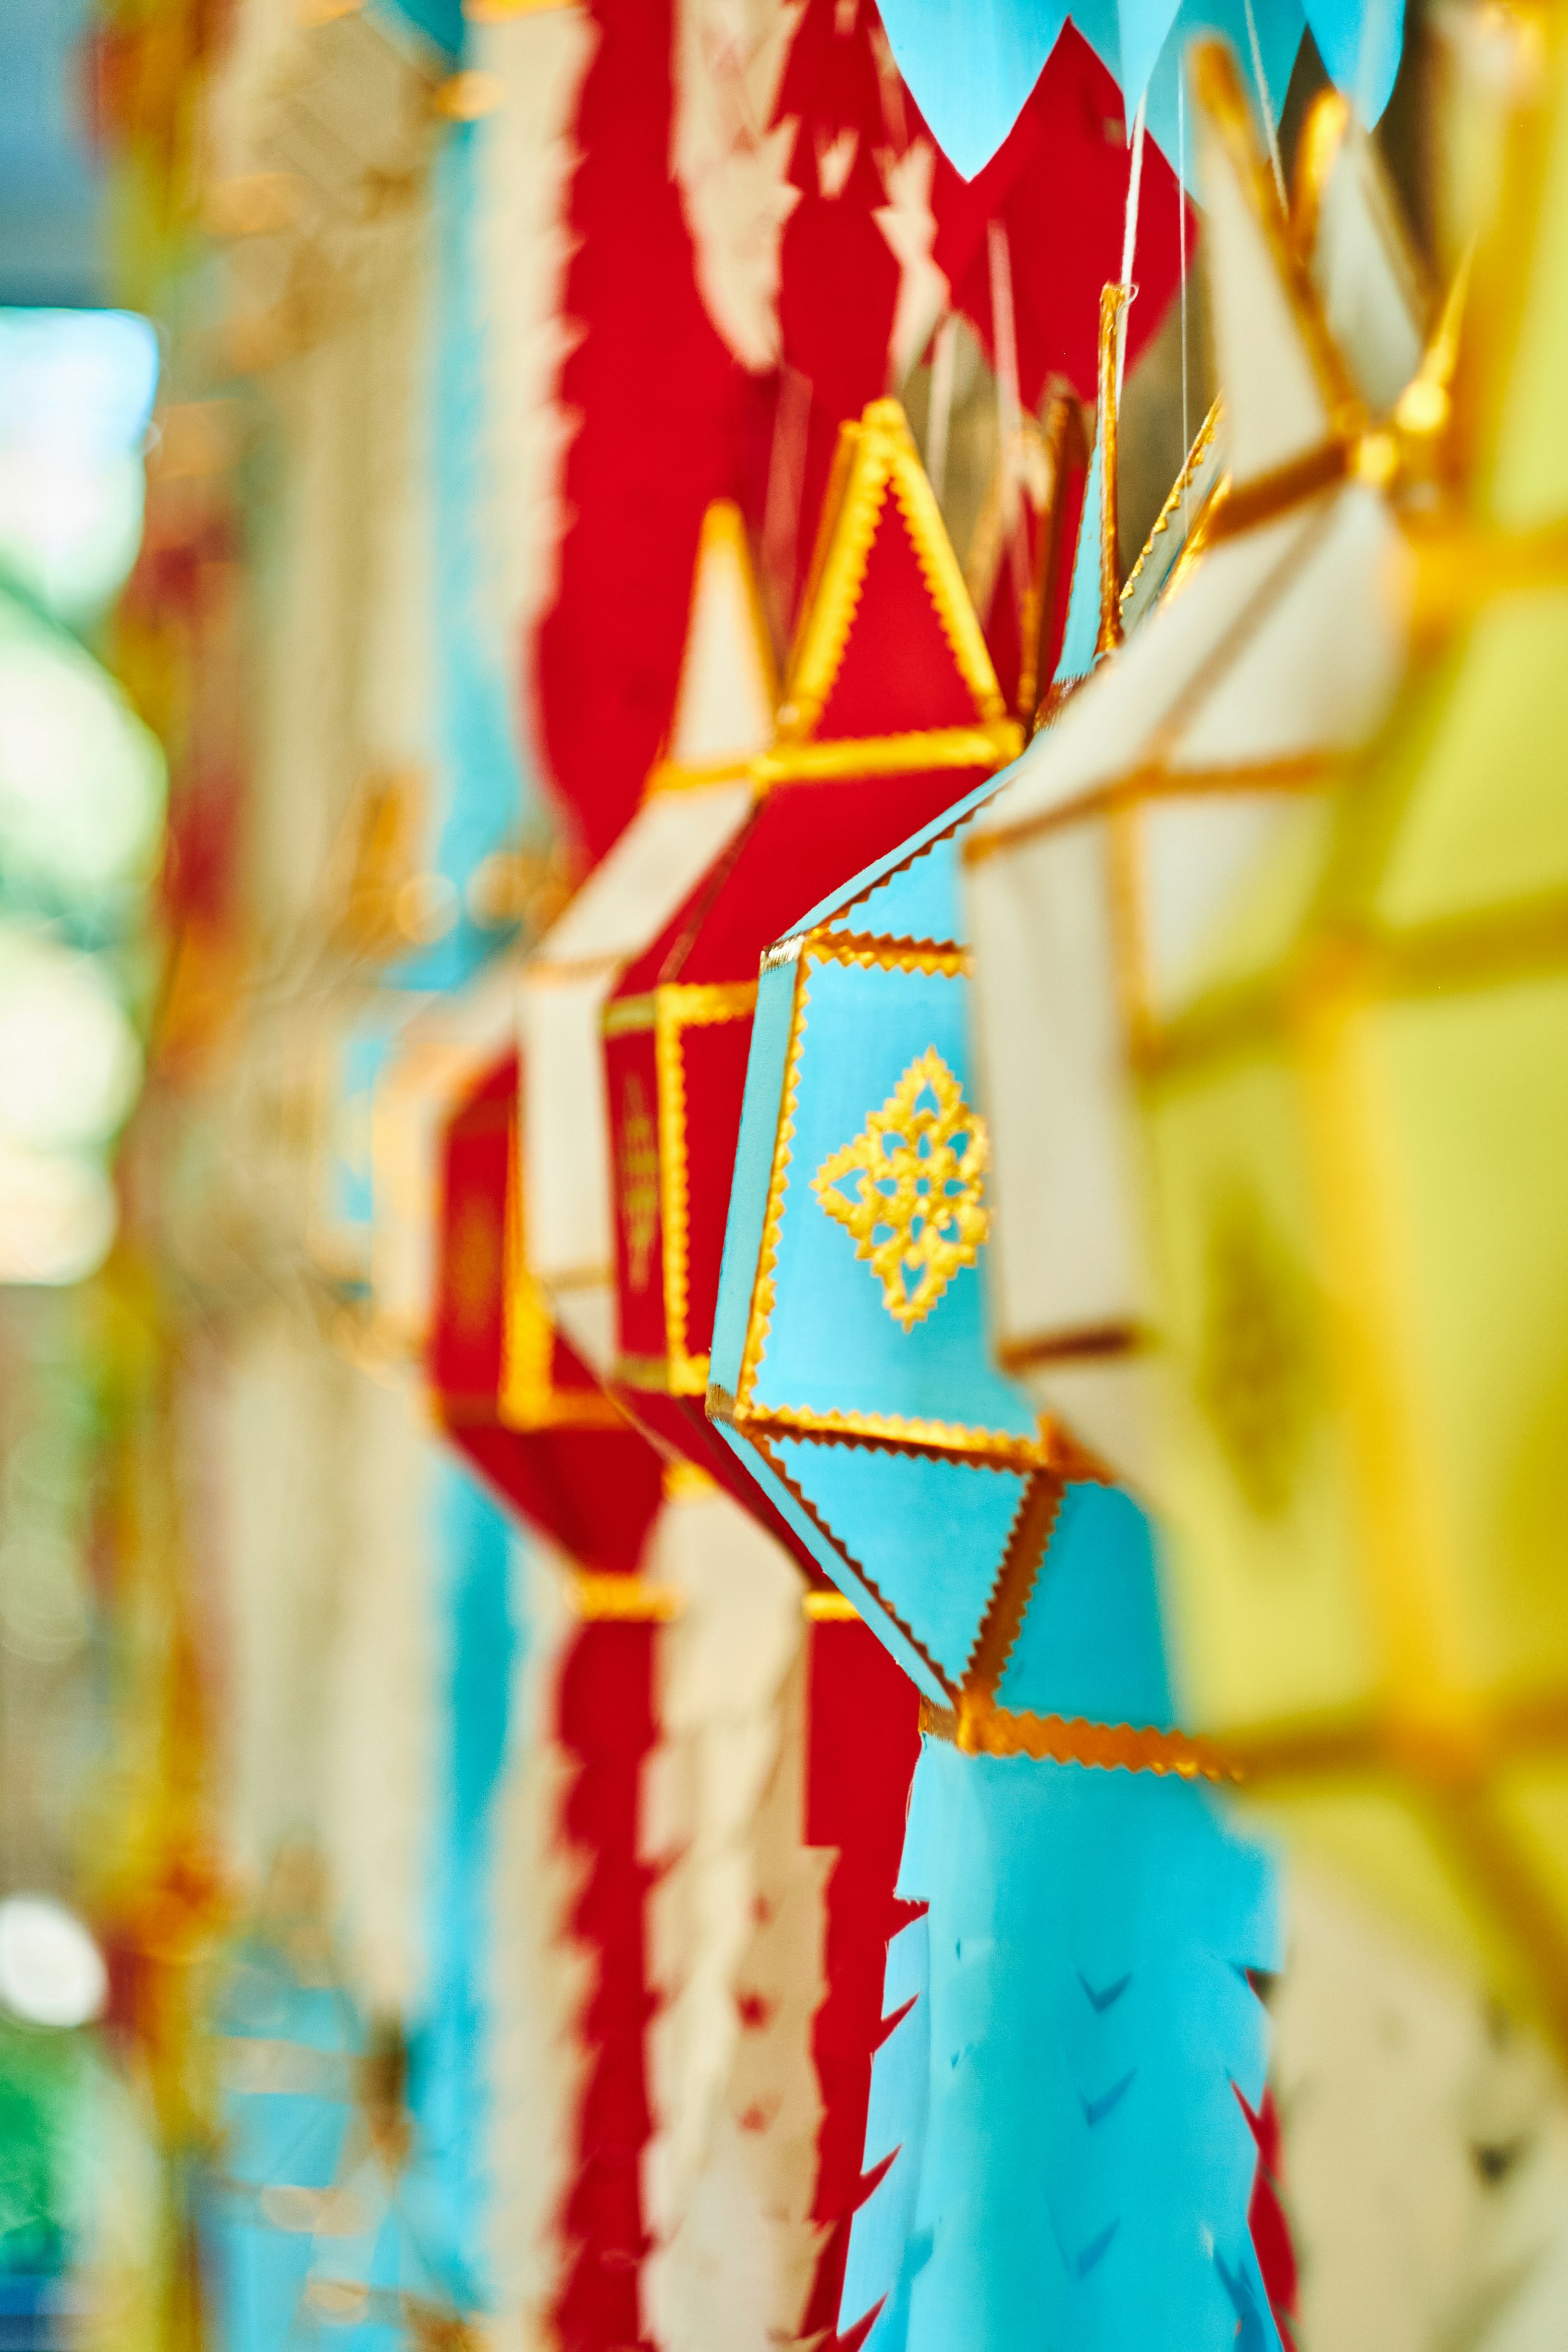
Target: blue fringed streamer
x,y
484,792
1082,2157
450,2089
972,70
885,2246
258,2274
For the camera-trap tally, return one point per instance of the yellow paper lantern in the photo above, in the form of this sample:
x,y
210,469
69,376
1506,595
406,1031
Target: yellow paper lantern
x,y
1358,1125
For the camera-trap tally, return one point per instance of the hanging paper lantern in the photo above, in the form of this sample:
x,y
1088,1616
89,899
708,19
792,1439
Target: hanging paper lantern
x,y
1057,2154
1092,879
514,1396
1356,1113
700,795
698,798
892,710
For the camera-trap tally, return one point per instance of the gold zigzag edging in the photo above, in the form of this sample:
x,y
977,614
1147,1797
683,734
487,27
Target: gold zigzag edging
x,y
981,1728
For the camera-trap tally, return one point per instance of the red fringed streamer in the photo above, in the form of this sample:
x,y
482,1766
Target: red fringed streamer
x,y
667,419
1267,2222
606,1726
864,1738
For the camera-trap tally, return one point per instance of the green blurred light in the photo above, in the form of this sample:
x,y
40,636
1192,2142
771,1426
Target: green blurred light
x,y
82,781
70,1067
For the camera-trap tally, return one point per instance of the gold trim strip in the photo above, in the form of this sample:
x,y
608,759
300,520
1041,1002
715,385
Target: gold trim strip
x,y
641,1372
940,958
989,745
1505,947
1095,1343
544,970
760,1313
663,1375
1178,491
1457,568
601,1600
1268,497
699,1004
829,1609
628,1016
1114,301
1156,781
687,1481
890,1433
694,1004
680,1006
981,1729
674,776
874,455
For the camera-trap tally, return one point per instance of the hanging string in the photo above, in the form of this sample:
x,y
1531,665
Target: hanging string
x,y
1271,133
943,360
1130,240
1181,247
1009,409
785,496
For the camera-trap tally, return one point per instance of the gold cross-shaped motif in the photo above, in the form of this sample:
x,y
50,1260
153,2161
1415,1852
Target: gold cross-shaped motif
x,y
917,1208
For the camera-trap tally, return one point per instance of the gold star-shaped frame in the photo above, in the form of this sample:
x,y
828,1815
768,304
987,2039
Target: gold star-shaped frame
x,y
918,1212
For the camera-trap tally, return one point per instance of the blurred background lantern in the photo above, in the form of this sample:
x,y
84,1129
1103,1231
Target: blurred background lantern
x,y
1273,651
1353,1117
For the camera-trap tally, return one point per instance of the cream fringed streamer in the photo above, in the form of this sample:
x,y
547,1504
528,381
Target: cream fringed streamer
x,y
731,168
1426,2147
328,1558
538,59
381,1759
723,1665
540,1980
272,1418
742,2263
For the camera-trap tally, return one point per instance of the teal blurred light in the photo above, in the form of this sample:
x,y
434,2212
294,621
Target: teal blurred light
x,y
76,402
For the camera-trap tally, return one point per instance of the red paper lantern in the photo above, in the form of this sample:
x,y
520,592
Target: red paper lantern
x,y
513,1397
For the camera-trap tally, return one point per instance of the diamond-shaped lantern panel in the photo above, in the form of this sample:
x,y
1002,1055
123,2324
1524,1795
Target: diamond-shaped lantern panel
x,y
1093,879
1358,1114
891,711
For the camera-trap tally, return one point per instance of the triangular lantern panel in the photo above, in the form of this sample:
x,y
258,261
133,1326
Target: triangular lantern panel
x,y
889,641
927,1536
724,705
1090,1644
1286,389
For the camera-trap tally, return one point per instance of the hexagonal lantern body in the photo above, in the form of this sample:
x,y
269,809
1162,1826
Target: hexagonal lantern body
x,y
1089,1921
